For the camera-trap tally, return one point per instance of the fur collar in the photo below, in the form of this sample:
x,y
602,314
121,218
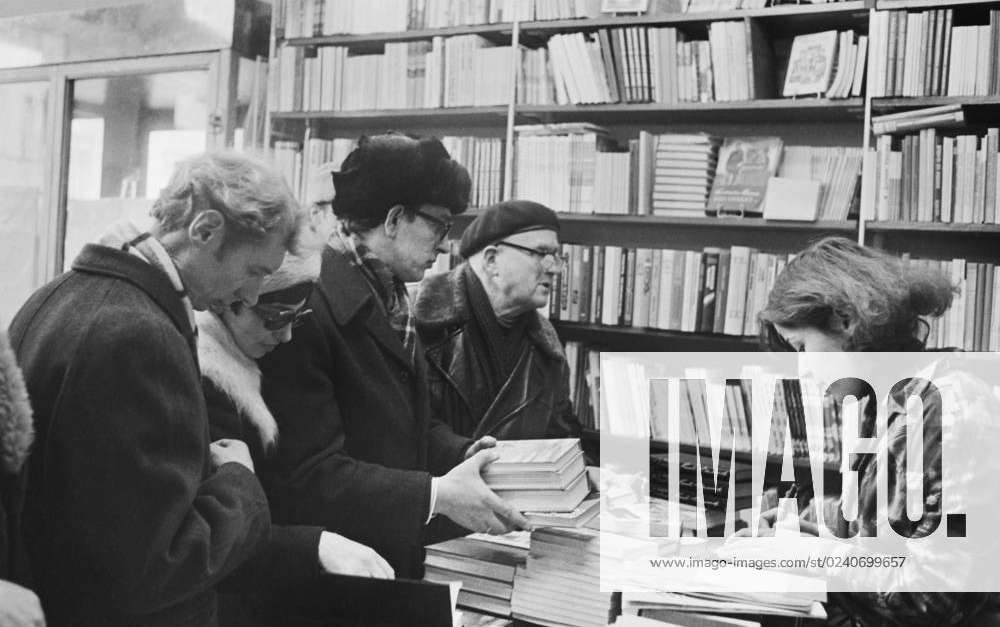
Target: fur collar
x,y
235,374
442,304
16,428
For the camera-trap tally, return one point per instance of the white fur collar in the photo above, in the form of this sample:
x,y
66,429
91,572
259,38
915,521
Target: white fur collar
x,y
235,374
16,428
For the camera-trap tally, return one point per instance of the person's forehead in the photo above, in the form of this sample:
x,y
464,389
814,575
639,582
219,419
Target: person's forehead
x,y
442,213
545,238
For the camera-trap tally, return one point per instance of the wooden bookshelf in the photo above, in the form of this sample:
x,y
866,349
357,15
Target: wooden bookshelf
x,y
490,31
883,105
851,11
894,5
646,339
386,118
712,113
661,232
983,230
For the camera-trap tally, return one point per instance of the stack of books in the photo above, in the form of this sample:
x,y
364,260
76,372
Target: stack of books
x,y
718,488
803,602
560,584
484,564
682,173
539,475
944,116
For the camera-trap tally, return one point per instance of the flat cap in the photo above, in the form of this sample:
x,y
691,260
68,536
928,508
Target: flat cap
x,y
504,219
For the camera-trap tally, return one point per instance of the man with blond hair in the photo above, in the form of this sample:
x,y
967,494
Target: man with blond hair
x,y
133,515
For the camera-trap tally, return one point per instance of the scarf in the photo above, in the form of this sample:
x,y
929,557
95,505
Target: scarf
x,y
390,292
126,236
501,343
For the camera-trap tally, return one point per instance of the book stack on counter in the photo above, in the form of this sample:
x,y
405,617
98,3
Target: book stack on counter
x,y
484,564
802,600
560,584
683,619
720,484
539,475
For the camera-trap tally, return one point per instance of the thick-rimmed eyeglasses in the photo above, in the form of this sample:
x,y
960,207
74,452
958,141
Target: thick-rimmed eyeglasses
x,y
441,227
550,260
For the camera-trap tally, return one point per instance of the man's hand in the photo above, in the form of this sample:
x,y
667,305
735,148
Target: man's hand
x,y
464,497
340,556
487,441
225,451
19,607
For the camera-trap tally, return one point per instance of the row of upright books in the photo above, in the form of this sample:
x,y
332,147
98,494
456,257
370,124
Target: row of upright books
x,y
311,18
649,64
465,70
932,175
971,323
579,168
924,53
721,291
482,156
716,290
314,18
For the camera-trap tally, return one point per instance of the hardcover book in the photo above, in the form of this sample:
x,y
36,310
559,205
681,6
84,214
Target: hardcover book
x,y
745,165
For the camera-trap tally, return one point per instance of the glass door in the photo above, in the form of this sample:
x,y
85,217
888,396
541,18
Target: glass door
x,y
126,132
24,163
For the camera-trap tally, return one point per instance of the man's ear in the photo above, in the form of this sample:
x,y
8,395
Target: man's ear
x,y
208,229
392,219
490,259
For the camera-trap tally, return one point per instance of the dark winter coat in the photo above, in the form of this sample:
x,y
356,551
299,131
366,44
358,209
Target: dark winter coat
x,y
357,446
534,400
127,522
253,594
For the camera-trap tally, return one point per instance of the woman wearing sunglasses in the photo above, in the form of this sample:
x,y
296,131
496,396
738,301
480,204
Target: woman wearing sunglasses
x,y
229,343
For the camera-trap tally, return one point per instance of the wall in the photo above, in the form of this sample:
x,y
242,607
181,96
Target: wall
x,y
24,7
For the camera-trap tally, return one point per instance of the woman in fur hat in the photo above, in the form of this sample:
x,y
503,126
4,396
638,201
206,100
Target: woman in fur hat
x,y
18,606
229,343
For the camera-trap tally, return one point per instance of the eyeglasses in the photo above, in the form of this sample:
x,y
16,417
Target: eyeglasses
x,y
274,319
441,227
550,260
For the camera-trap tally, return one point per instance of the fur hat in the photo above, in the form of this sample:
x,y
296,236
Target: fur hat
x,y
396,169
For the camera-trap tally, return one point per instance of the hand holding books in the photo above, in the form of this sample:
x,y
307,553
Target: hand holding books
x,y
464,497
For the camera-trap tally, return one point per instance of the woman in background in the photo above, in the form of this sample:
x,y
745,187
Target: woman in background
x,y
229,343
837,296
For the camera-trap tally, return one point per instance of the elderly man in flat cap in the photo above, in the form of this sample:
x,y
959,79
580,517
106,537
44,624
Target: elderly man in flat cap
x,y
496,365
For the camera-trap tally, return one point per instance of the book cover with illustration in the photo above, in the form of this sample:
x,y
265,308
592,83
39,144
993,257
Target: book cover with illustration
x,y
745,165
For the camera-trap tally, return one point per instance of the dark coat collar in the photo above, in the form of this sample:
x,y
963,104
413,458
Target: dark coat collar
x,y
103,260
348,295
341,280
442,305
